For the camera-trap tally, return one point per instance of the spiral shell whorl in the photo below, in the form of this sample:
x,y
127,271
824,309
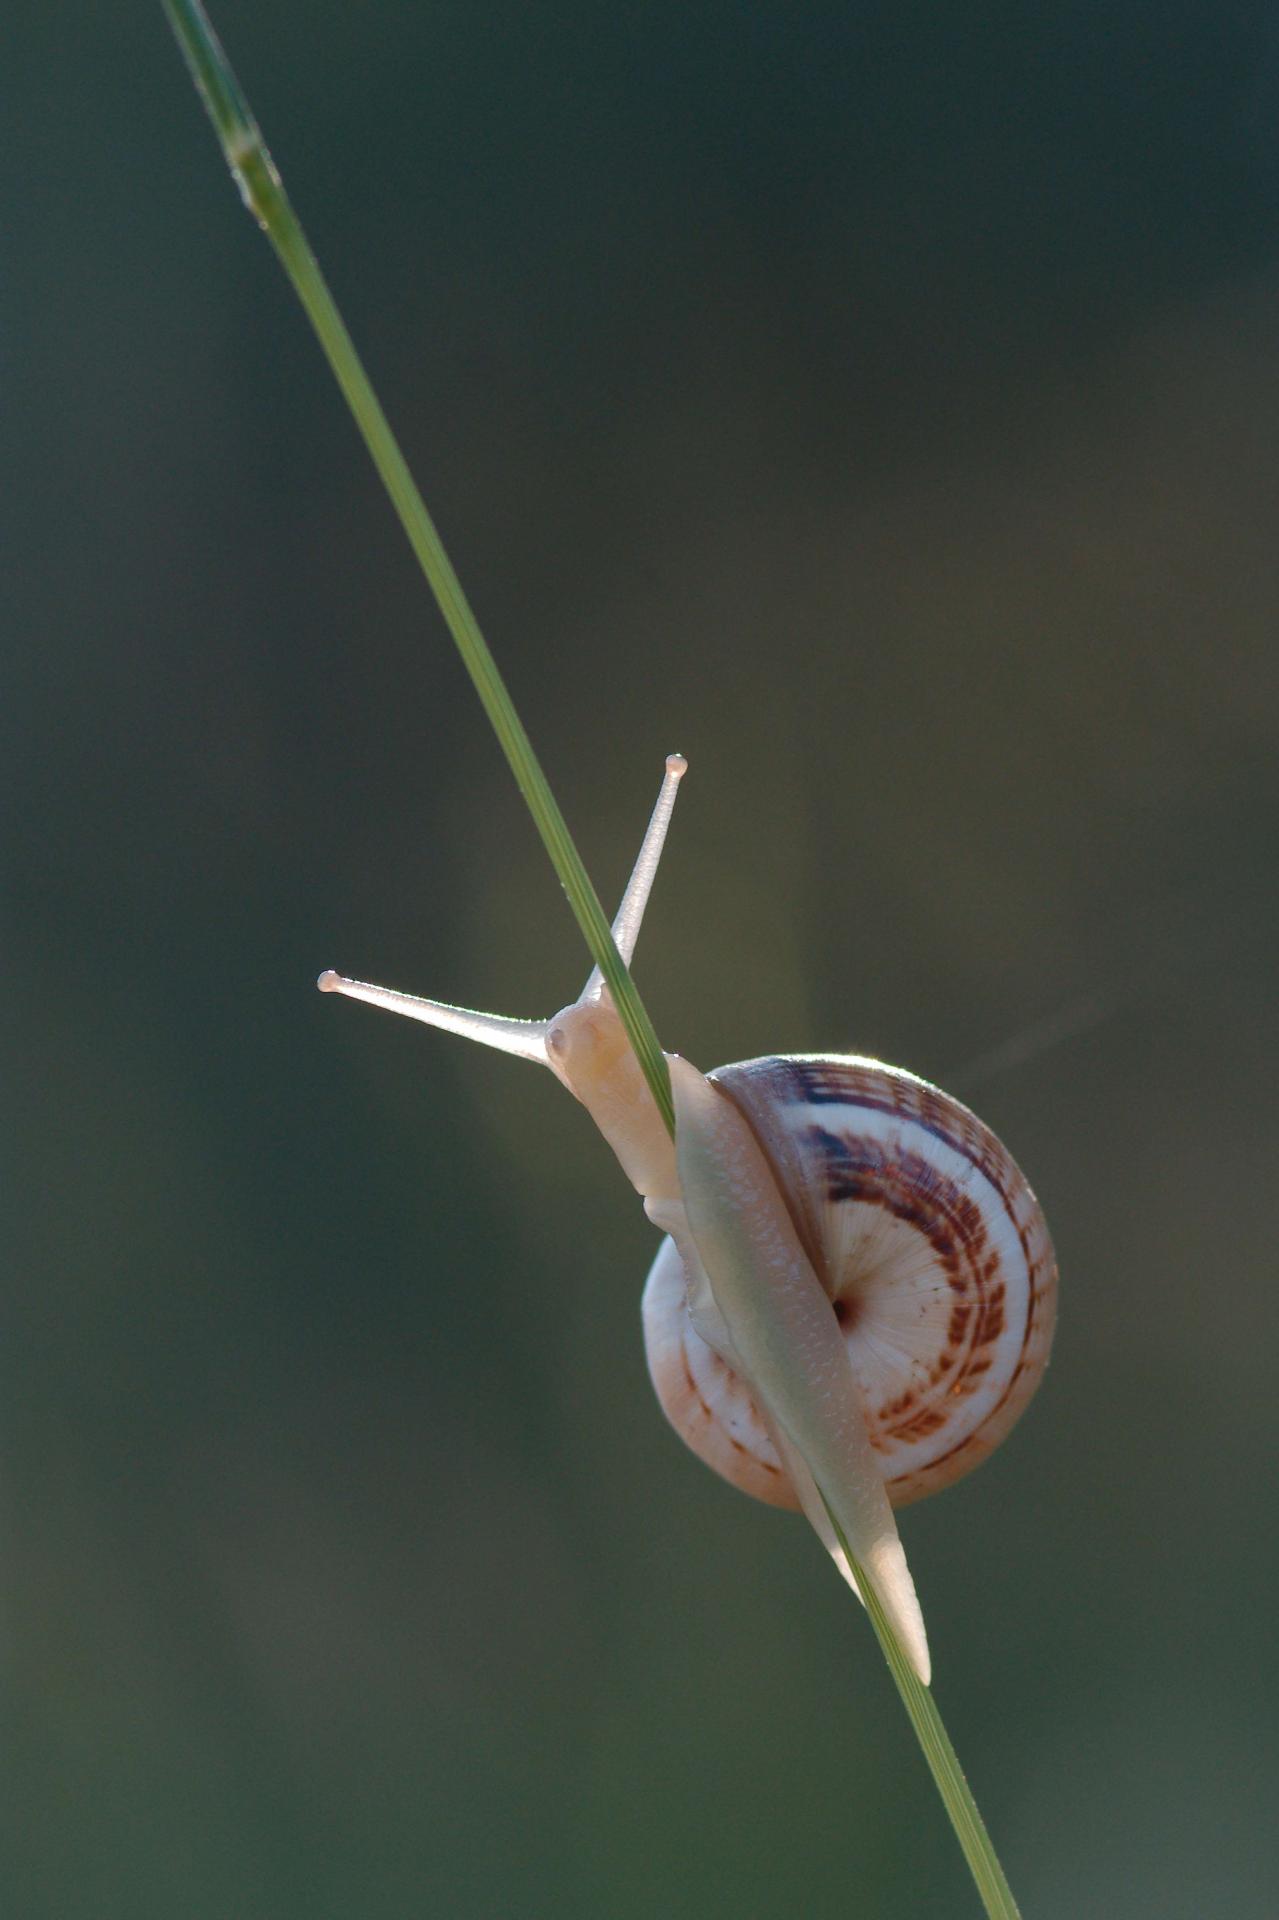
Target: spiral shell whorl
x,y
932,1247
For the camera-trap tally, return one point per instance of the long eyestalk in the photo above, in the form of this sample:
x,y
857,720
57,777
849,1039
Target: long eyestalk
x,y
630,915
264,196
526,1038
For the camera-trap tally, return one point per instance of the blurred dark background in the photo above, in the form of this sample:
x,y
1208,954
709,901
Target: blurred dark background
x,y
880,403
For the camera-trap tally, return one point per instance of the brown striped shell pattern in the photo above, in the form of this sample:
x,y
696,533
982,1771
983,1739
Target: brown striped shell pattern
x,y
932,1248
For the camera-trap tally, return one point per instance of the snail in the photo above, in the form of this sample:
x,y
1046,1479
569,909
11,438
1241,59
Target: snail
x,y
855,1298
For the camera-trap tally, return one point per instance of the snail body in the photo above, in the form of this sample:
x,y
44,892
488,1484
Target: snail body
x,y
855,1298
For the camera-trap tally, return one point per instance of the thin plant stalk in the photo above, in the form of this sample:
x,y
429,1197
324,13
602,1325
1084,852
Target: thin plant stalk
x,y
943,1762
263,194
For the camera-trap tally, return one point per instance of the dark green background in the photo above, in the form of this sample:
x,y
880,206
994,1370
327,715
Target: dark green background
x,y
879,403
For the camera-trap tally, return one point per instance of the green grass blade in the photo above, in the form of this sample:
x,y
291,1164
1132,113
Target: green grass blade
x,y
943,1762
263,194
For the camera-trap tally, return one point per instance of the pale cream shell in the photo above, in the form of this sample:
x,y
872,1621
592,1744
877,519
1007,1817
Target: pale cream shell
x,y
935,1254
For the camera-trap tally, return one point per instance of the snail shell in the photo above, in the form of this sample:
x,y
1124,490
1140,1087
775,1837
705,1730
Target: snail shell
x,y
934,1252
